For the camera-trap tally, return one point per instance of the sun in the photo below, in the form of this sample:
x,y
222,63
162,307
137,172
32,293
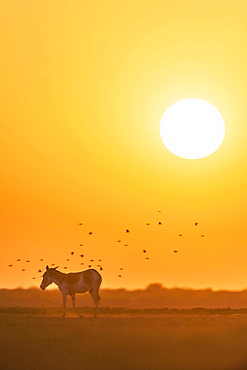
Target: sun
x,y
192,128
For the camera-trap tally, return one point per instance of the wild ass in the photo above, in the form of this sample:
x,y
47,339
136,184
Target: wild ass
x,y
74,282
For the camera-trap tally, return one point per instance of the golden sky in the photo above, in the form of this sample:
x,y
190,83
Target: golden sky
x,y
83,87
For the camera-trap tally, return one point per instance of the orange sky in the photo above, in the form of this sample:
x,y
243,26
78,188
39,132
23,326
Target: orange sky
x,y
83,88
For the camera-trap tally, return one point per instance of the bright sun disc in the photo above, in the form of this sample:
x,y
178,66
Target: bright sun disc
x,y
192,128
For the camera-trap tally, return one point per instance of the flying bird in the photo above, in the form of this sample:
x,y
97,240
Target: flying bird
x,y
147,258
118,241
175,251
81,245
101,268
80,223
127,231
144,251
180,235
125,245
148,224
160,223
41,259
72,253
90,233
81,255
39,271
27,261
196,223
18,260
119,275
10,265
202,236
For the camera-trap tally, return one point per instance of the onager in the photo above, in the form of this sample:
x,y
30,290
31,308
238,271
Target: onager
x,y
74,282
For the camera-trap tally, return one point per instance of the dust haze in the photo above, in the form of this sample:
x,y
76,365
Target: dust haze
x,y
154,296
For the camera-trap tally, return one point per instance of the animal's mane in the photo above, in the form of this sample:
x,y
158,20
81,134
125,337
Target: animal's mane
x,y
53,272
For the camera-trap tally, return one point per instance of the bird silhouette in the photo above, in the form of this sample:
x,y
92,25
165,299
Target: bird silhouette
x,y
202,236
80,223
67,259
65,267
180,235
144,251
90,233
147,258
23,270
39,271
148,224
160,223
81,245
18,260
175,251
41,259
118,241
72,253
27,261
125,245
101,268
119,275
127,231
10,265
196,223
89,266
81,255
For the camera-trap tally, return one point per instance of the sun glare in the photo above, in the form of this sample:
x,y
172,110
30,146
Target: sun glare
x,y
192,128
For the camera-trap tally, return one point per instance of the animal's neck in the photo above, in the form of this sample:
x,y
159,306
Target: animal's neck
x,y
57,277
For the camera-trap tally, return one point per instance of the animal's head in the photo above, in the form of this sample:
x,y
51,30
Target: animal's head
x,y
47,277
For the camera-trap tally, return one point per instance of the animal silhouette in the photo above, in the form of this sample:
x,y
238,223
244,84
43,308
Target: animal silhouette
x,y
72,283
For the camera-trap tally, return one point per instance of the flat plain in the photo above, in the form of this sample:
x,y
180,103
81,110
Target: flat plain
x,y
42,340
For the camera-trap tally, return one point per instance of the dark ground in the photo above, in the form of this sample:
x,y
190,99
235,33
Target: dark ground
x,y
39,339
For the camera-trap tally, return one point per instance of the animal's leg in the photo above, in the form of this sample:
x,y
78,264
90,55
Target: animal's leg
x,y
64,304
96,298
74,305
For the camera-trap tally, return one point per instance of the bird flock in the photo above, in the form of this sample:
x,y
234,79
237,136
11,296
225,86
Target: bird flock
x,y
91,263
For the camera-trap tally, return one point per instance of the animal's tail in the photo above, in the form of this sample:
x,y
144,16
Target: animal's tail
x,y
97,284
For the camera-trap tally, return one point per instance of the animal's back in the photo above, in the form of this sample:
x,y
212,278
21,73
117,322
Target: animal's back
x,y
90,277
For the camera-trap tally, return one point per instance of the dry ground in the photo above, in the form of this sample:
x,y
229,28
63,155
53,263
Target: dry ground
x,y
121,342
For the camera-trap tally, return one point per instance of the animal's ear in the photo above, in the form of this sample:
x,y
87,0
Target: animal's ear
x,y
47,268
56,267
